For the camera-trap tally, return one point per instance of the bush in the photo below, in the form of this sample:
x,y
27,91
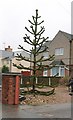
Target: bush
x,y
5,69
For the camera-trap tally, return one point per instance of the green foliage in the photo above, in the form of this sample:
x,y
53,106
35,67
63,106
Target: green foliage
x,y
5,69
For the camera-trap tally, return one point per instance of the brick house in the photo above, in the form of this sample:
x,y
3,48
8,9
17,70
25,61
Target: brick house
x,y
62,47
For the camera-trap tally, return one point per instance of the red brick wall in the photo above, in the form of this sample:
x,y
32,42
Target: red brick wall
x,y
10,89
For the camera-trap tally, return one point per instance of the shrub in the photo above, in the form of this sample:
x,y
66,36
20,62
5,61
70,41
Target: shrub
x,y
5,69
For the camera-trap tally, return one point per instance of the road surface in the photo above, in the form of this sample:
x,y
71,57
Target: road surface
x,y
44,111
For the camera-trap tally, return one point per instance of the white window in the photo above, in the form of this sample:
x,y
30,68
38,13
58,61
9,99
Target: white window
x,y
54,71
58,70
45,54
62,71
59,51
45,72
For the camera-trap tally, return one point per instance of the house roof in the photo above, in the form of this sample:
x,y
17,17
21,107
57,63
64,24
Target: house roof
x,y
69,36
57,62
23,53
8,55
5,54
45,44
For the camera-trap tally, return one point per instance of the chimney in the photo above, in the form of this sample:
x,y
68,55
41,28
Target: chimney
x,y
8,49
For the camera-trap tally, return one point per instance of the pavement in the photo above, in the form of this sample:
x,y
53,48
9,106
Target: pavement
x,y
42,111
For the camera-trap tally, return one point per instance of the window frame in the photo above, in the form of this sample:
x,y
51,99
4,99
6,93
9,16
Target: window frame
x,y
59,51
45,71
59,71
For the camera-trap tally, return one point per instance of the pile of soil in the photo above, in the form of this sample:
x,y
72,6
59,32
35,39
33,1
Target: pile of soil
x,y
61,95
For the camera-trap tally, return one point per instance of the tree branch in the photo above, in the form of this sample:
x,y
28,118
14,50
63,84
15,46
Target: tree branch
x,y
40,46
21,67
31,22
32,28
41,31
24,49
42,51
25,40
40,22
25,67
44,40
40,60
28,37
20,57
28,30
49,59
33,18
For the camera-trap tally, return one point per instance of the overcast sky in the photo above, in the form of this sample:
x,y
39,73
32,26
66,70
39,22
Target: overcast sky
x,y
14,16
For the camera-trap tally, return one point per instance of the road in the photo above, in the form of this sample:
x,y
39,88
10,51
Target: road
x,y
44,111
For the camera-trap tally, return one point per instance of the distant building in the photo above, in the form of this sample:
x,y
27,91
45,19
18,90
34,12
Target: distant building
x,y
8,57
25,63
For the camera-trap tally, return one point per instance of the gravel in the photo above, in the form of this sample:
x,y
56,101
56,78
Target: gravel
x,y
61,95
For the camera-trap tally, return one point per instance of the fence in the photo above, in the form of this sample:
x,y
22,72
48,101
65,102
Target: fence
x,y
48,81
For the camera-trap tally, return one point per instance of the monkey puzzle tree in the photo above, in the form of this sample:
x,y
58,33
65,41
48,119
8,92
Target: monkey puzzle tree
x,y
36,43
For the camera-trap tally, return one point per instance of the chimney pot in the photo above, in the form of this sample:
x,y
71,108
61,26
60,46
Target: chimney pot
x,y
8,49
